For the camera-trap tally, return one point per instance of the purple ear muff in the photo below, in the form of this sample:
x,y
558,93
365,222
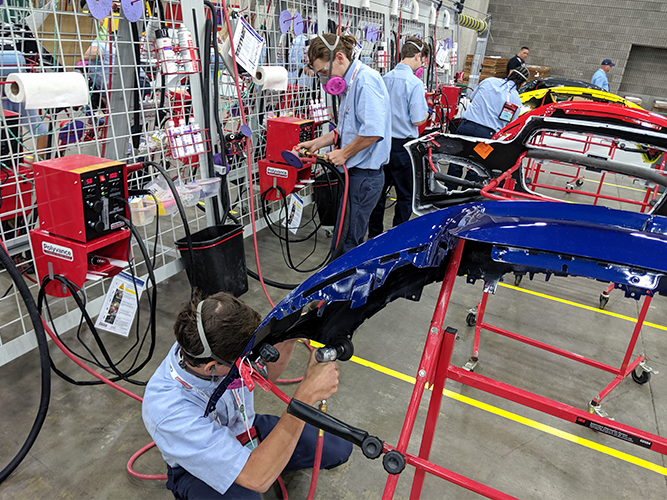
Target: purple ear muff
x,y
420,72
335,86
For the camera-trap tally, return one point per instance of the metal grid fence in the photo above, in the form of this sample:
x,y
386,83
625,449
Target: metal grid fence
x,y
131,99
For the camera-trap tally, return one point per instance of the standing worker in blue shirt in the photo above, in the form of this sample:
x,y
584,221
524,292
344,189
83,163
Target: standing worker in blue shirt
x,y
600,76
495,103
216,456
408,111
363,131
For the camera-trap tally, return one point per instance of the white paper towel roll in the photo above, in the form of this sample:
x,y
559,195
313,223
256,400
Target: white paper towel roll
x,y
47,90
271,77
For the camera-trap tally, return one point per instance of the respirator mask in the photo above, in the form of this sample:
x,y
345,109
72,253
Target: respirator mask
x,y
333,85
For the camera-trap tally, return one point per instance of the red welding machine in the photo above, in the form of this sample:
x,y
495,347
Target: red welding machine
x,y
283,134
79,198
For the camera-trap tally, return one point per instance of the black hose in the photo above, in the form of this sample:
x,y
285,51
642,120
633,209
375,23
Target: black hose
x,y
286,239
274,284
136,126
42,345
91,325
224,191
206,103
181,211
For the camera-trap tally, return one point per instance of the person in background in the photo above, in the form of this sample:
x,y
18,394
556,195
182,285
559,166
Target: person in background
x,y
218,456
495,103
600,76
408,111
518,60
363,131
13,61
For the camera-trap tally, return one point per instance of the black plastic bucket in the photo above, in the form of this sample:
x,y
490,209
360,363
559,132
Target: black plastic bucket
x,y
218,258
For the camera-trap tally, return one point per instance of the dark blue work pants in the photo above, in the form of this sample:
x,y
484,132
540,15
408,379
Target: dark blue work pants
x,y
335,452
474,129
399,173
365,189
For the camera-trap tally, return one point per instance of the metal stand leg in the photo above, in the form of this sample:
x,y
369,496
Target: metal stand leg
x,y
428,361
434,408
627,367
474,359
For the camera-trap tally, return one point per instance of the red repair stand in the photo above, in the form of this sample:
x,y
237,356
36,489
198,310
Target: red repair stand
x,y
435,368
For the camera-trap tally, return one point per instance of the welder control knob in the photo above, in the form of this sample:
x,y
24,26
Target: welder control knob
x,y
98,226
97,206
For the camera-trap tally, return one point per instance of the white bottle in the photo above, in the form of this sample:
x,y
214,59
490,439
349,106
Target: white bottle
x,y
312,110
165,52
171,133
175,139
186,135
321,111
195,132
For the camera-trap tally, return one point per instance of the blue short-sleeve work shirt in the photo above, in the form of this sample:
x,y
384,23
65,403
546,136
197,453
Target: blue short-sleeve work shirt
x,y
364,110
408,101
173,413
488,100
600,79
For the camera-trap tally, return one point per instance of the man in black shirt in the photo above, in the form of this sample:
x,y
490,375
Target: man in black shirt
x,y
518,60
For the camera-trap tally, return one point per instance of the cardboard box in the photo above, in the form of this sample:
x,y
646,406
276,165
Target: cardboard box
x,y
67,34
496,66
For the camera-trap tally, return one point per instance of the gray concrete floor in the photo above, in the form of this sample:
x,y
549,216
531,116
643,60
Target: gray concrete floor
x,y
91,432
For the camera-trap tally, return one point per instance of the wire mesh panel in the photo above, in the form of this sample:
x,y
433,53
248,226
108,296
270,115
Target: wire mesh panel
x,y
138,110
161,96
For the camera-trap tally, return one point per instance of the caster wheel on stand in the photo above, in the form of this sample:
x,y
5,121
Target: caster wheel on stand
x,y
642,378
604,299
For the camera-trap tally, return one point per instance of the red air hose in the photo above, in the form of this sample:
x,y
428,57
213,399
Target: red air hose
x,y
316,465
131,472
56,340
248,151
156,477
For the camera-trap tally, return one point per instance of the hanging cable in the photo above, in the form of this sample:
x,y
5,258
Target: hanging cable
x,y
45,394
249,151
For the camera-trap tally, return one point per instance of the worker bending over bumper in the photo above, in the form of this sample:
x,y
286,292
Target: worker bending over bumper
x,y
217,456
408,111
363,131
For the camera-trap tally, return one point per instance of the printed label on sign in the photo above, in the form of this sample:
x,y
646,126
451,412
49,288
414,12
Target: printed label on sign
x,y
356,52
483,150
295,211
57,251
441,55
610,431
277,172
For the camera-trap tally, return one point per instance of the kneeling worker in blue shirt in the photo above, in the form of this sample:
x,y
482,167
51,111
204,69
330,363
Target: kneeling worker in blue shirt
x,y
363,131
408,111
214,457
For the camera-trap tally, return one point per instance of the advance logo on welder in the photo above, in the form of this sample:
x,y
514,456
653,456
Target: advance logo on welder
x,y
57,251
277,172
